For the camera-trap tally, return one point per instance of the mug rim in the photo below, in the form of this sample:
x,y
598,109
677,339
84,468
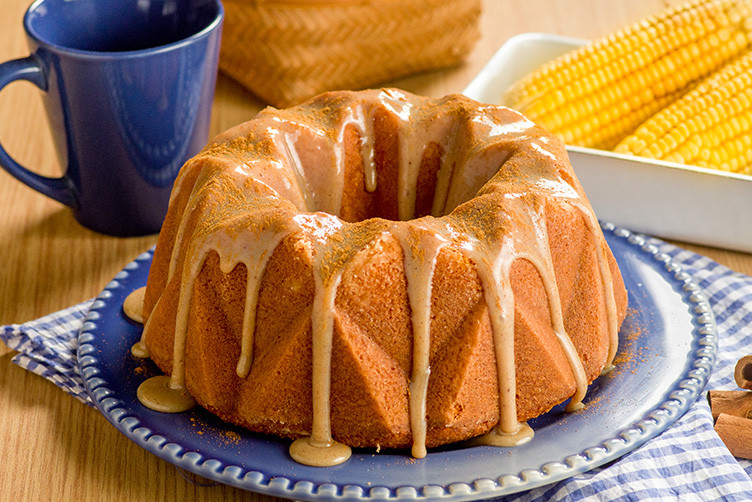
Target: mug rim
x,y
89,54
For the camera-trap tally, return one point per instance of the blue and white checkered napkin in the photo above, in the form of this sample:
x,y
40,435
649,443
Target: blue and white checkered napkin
x,y
48,347
687,462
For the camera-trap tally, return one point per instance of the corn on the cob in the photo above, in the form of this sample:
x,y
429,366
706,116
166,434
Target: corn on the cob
x,y
711,126
598,94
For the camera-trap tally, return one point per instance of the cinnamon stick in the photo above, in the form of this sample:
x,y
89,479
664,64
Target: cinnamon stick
x,y
731,402
743,372
736,434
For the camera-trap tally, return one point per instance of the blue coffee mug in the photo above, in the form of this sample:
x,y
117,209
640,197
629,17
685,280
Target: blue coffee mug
x,y
128,86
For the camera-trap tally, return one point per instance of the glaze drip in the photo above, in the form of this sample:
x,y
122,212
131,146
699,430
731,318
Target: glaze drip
x,y
288,170
421,246
133,306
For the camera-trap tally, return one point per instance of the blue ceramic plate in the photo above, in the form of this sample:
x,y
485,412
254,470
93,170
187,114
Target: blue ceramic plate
x,y
666,353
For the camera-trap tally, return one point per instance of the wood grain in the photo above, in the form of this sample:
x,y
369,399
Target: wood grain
x,y
55,448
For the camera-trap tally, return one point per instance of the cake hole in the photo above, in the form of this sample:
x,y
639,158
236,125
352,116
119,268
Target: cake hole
x,y
380,168
435,190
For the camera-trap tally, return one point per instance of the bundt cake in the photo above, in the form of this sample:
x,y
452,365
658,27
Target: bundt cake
x,y
378,269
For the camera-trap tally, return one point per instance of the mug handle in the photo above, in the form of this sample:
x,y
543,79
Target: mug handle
x,y
58,189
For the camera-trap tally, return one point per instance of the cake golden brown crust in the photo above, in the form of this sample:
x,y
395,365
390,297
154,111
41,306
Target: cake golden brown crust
x,y
330,203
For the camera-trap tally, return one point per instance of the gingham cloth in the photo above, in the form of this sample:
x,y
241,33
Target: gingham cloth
x,y
687,462
48,348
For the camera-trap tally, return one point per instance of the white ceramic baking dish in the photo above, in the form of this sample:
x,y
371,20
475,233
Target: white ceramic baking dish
x,y
673,201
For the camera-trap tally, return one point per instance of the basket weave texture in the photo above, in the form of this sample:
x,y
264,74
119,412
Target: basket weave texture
x,y
286,51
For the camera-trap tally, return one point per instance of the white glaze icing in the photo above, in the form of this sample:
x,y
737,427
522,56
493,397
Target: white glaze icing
x,y
306,196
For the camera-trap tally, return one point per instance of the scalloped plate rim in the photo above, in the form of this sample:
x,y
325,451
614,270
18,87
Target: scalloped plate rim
x,y
684,392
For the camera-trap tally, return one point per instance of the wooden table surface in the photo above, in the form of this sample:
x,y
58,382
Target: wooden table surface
x,y
55,448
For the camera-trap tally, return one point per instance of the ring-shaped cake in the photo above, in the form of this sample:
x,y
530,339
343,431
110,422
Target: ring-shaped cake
x,y
377,269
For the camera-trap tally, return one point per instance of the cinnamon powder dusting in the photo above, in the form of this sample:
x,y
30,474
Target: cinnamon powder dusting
x,y
494,178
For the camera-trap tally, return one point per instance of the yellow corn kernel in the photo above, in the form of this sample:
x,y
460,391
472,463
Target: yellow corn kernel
x,y
718,136
636,71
